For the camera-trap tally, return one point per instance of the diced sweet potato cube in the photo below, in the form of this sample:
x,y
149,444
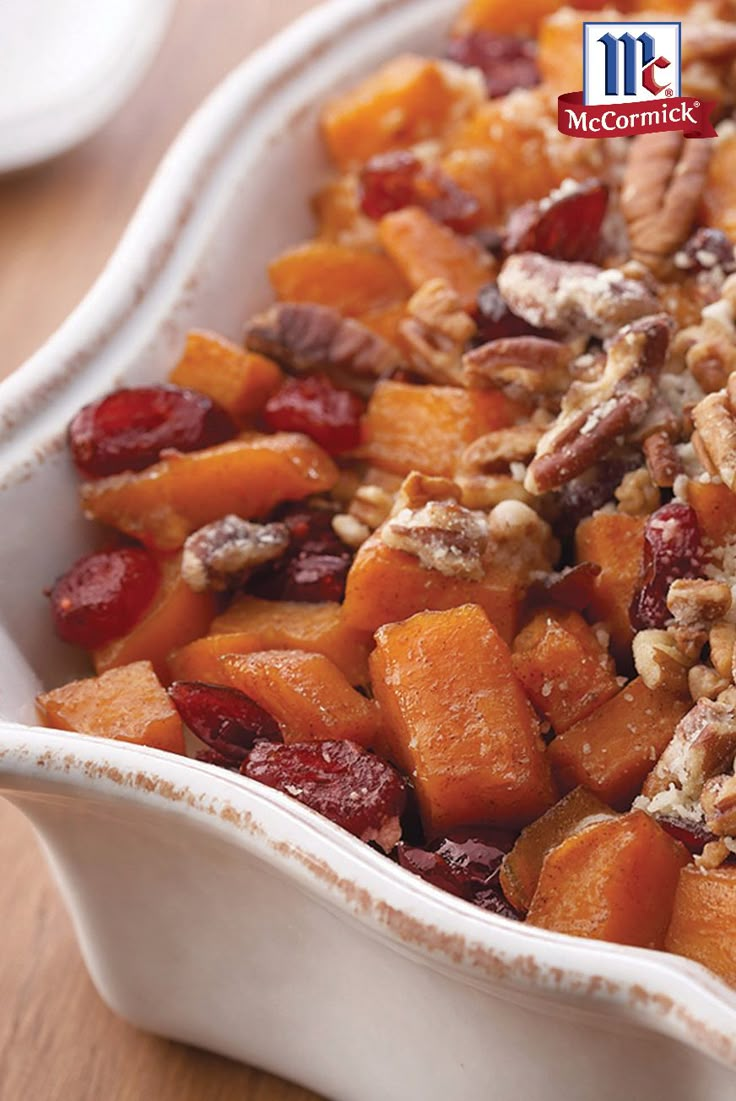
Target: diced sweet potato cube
x,y
241,382
408,100
615,542
351,280
177,616
614,881
474,171
386,585
564,669
251,624
521,868
457,720
560,53
385,321
613,749
161,506
423,249
306,694
521,18
703,925
426,428
718,206
127,704
715,506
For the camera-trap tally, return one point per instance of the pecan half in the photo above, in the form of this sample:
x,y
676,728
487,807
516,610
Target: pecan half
x,y
443,535
698,603
496,451
703,745
221,555
716,433
527,364
662,188
596,415
436,332
306,337
571,297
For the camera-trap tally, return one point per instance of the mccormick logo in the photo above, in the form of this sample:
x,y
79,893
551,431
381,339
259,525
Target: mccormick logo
x,y
632,85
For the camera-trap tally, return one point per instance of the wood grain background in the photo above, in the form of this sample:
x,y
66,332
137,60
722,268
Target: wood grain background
x,y
58,225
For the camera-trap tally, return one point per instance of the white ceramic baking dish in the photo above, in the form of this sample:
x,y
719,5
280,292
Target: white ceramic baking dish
x,y
218,912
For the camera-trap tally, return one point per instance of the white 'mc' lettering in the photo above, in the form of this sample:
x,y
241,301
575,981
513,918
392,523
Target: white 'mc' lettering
x,y
577,122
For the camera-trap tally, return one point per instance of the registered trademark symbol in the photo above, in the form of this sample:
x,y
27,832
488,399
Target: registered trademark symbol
x,y
668,92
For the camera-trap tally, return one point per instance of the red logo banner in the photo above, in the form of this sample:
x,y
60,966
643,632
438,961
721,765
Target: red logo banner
x,y
684,113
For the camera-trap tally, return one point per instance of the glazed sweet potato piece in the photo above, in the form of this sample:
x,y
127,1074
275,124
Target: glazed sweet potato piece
x,y
251,624
521,867
161,506
351,280
559,52
423,249
615,542
715,506
426,428
457,720
127,704
564,669
306,694
385,585
241,382
410,99
615,880
613,749
177,616
703,919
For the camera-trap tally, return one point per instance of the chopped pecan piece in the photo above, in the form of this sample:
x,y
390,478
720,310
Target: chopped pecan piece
x,y
703,682
716,430
662,188
306,337
221,555
637,495
722,644
495,452
710,352
417,490
662,459
436,332
443,535
572,297
595,415
698,603
520,539
526,364
485,491
659,662
718,801
703,745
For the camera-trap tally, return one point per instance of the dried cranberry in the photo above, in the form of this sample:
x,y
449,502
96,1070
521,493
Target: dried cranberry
x,y
565,225
344,782
506,61
465,862
227,720
128,429
693,835
315,566
495,320
672,550
708,248
319,409
391,181
104,595
493,900
212,757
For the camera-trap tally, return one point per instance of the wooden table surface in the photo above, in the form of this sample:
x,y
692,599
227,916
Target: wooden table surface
x,y
58,225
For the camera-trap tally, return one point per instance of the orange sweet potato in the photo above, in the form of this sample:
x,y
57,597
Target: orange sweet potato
x,y
177,615
715,506
336,207
521,18
385,585
560,52
703,925
615,880
457,720
522,867
307,695
616,543
718,204
408,100
161,506
351,280
385,321
613,749
241,382
423,249
474,170
426,428
251,624
127,704
564,669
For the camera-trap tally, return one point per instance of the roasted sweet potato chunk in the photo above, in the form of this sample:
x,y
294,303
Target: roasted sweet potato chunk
x,y
251,624
613,749
615,881
306,694
715,506
127,704
615,542
177,616
426,428
351,280
161,506
703,919
493,15
385,585
241,382
423,249
521,868
457,720
564,669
